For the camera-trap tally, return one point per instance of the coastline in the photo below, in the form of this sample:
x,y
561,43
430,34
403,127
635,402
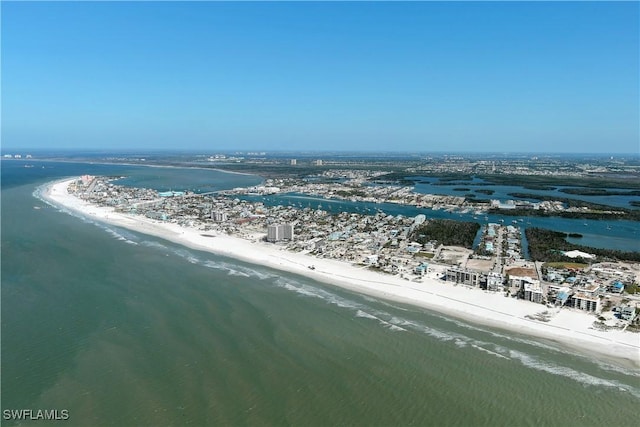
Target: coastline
x,y
149,165
568,327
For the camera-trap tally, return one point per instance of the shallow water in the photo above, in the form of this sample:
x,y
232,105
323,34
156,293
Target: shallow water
x,y
125,329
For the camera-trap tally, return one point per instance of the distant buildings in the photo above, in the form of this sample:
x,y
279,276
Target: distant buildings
x,y
87,179
219,216
16,156
318,162
294,162
419,219
170,193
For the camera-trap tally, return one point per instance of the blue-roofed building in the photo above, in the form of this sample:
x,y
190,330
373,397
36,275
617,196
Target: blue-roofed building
x,y
563,296
421,270
617,287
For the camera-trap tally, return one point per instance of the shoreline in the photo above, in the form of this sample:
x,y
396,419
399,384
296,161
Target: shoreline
x,y
568,327
150,165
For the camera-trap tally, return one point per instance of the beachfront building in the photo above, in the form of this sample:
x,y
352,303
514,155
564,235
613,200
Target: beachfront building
x,y
533,292
626,312
280,232
421,269
162,216
273,233
495,282
466,277
585,301
559,294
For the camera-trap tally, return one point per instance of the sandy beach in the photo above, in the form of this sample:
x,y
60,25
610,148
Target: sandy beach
x,y
568,327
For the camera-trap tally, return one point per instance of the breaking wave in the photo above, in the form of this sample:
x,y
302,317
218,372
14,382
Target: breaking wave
x,y
463,341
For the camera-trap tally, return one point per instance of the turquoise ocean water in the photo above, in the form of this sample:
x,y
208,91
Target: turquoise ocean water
x,y
124,329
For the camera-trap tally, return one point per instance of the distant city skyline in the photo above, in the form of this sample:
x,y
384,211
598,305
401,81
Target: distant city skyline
x,y
362,76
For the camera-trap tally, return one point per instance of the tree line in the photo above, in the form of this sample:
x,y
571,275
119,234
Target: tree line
x,y
548,245
447,232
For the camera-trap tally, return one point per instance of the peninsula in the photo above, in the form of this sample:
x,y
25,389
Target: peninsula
x,y
396,267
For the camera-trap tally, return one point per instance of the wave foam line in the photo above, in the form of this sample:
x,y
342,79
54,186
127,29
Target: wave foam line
x,y
581,377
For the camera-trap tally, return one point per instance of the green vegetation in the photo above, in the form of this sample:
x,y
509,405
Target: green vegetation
x,y
485,191
548,245
632,288
538,187
465,183
631,182
482,250
428,255
599,192
595,210
447,232
407,178
635,203
564,214
453,176
351,193
565,265
461,189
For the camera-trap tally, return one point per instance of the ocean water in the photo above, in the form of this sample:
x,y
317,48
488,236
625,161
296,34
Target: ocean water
x,y
124,329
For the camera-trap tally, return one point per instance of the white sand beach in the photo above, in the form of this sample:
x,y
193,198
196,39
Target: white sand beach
x,y
569,327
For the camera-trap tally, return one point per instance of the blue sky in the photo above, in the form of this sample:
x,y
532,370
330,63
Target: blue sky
x,y
418,76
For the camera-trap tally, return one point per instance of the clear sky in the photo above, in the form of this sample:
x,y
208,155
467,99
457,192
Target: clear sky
x,y
417,76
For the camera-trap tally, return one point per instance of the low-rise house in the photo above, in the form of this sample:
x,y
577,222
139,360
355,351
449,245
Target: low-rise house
x,y
495,282
627,312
